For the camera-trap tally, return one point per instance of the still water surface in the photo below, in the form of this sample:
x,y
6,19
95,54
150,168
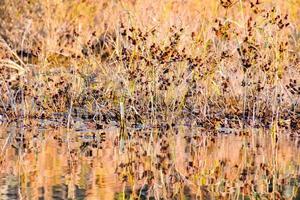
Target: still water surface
x,y
183,163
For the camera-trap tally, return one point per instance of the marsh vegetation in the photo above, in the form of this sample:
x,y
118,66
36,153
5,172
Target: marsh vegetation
x,y
199,99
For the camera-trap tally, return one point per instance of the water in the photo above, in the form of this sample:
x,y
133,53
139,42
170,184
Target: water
x,y
173,164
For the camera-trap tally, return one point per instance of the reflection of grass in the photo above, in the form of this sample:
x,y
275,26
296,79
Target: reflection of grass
x,y
188,165
213,168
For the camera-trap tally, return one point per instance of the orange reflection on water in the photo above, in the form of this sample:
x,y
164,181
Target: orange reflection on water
x,y
57,164
51,168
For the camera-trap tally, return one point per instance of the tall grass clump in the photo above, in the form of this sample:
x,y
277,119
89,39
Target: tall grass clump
x,y
230,65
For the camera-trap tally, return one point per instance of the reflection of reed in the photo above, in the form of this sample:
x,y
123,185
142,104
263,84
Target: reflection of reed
x,y
47,172
195,164
9,187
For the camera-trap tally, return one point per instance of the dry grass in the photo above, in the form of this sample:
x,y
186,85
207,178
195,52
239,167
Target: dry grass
x,y
225,66
207,63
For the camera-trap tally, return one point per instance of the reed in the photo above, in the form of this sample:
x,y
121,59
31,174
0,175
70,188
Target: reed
x,y
219,66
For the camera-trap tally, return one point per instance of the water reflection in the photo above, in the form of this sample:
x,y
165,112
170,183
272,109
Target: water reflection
x,y
173,164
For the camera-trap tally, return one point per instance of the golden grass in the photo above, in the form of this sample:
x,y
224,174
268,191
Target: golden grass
x,y
195,62
220,66
167,60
